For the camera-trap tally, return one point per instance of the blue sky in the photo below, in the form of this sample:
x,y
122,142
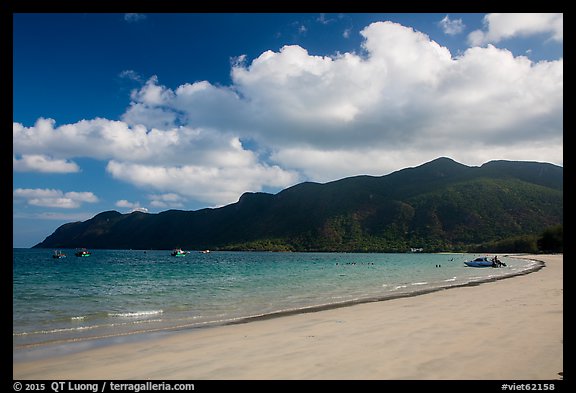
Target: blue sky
x,y
184,111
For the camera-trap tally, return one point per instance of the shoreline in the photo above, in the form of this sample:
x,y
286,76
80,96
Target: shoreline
x,y
265,341
384,298
45,349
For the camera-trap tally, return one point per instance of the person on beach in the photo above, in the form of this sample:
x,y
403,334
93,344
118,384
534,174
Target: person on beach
x,y
496,262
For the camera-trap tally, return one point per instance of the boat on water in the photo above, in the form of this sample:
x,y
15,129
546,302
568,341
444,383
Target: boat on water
x,y
178,252
58,254
82,252
485,262
204,252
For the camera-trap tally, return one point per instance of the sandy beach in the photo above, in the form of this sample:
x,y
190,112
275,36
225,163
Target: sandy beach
x,y
507,329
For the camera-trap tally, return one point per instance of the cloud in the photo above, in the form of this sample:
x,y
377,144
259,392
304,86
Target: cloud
x,y
108,139
43,163
151,93
134,17
56,216
132,75
213,185
133,206
406,89
498,27
54,198
126,203
325,20
451,27
169,200
205,164
401,99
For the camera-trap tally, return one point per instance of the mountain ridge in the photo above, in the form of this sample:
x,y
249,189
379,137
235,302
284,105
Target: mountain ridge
x,y
439,205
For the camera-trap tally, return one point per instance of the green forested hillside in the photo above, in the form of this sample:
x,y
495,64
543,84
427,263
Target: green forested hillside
x,y
439,206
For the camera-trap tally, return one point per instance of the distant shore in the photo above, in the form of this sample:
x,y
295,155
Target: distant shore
x,y
469,332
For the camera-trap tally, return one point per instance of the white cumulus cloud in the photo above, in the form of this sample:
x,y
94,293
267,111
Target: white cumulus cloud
x,y
43,163
212,185
54,198
498,27
168,200
132,206
451,26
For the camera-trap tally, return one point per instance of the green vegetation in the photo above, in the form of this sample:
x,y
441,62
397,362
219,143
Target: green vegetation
x,y
552,240
439,206
549,241
276,245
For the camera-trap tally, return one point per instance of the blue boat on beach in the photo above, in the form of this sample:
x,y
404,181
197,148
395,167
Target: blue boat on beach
x,y
485,262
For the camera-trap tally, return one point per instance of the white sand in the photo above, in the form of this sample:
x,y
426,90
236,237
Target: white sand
x,y
508,329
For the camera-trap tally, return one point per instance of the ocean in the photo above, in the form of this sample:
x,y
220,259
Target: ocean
x,y
120,293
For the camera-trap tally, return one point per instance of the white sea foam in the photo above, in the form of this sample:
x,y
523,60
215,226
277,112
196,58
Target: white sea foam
x,y
136,314
420,283
52,331
81,328
450,279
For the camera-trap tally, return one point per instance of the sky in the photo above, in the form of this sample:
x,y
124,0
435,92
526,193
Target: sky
x,y
162,111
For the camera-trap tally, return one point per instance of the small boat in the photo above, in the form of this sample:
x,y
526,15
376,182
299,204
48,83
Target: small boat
x,y
204,251
483,262
58,254
178,252
82,252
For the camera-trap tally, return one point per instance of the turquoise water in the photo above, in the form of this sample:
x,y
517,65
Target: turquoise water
x,y
121,292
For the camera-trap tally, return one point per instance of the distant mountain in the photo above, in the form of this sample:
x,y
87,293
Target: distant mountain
x,y
440,205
